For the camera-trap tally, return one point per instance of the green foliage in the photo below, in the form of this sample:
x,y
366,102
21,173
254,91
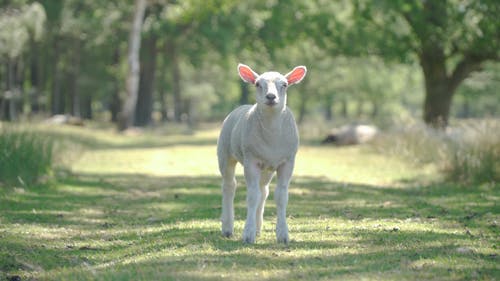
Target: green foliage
x,y
25,156
18,26
403,29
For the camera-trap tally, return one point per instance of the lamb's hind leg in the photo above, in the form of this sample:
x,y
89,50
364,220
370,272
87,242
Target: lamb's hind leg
x,y
228,191
252,178
265,179
281,196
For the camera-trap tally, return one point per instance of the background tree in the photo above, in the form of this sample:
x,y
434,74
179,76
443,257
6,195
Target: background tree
x,y
369,61
21,27
450,39
127,115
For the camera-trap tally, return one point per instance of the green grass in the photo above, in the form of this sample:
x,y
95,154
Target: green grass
x,y
147,208
25,157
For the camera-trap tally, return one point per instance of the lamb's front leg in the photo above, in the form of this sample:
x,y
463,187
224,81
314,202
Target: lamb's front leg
x,y
228,192
252,177
284,174
265,179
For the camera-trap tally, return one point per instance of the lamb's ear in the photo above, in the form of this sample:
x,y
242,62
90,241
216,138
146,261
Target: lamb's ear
x,y
246,73
296,75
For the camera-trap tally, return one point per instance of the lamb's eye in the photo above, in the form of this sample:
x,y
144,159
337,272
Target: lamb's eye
x,y
257,85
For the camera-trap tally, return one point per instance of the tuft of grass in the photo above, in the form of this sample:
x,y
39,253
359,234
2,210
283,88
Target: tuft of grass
x,y
467,153
24,156
474,156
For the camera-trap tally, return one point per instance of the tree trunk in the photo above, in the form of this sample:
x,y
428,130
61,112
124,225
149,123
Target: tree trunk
x,y
3,89
127,115
437,104
7,93
34,96
144,108
437,91
115,102
191,112
57,100
75,73
12,90
176,80
86,107
8,110
162,97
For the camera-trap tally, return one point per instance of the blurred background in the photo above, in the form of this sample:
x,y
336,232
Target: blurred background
x,y
377,62
110,111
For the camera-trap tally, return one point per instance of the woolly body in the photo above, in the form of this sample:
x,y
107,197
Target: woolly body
x,y
246,133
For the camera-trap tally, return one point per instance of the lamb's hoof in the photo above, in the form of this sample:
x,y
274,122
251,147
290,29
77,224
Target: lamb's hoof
x,y
249,240
283,240
227,234
282,235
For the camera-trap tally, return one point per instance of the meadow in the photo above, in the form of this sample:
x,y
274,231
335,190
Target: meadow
x,y
146,206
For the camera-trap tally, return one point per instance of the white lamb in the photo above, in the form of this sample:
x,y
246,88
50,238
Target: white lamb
x,y
264,138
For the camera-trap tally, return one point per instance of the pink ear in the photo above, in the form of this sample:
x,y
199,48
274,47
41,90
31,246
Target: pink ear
x,y
246,73
296,75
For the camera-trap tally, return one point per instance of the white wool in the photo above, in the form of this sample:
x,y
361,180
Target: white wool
x,y
271,138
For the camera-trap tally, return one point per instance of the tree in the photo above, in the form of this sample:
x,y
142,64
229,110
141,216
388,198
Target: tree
x,y
449,38
21,26
127,115
189,31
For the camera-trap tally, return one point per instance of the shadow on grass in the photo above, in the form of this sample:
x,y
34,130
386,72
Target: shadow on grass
x,y
122,226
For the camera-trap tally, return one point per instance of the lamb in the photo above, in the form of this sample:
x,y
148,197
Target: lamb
x,y
264,138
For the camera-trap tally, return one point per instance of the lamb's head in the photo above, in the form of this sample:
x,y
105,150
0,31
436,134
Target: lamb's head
x,y
271,86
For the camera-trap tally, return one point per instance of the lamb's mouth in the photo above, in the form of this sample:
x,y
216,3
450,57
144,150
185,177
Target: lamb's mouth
x,y
271,103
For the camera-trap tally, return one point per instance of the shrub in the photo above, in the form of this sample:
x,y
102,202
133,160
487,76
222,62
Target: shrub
x,y
24,156
468,152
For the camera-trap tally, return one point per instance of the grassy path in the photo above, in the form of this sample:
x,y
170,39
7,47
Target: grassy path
x,y
147,208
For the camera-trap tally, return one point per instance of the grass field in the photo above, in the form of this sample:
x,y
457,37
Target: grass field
x,y
147,207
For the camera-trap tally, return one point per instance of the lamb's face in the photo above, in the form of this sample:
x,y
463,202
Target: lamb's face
x,y
271,86
271,90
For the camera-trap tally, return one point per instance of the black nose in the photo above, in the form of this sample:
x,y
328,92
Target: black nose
x,y
270,96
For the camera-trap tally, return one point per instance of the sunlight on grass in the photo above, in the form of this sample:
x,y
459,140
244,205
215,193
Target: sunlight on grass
x,y
148,208
332,163
174,161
